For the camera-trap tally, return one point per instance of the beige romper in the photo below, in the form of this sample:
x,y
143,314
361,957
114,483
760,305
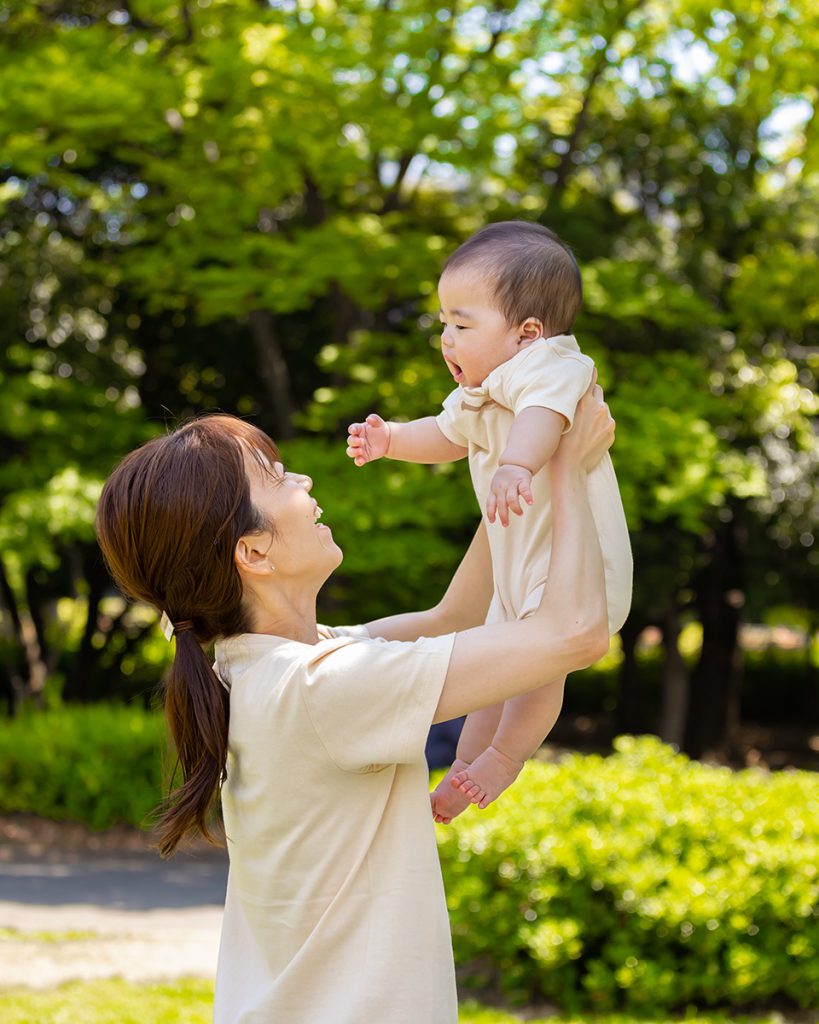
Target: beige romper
x,y
551,373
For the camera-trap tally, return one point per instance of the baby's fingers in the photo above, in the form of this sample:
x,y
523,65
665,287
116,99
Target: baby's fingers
x,y
503,508
491,507
525,491
512,500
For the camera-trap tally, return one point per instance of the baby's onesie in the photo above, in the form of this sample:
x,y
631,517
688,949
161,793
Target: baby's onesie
x,y
551,373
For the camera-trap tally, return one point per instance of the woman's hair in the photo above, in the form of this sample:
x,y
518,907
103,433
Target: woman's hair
x,y
168,521
528,270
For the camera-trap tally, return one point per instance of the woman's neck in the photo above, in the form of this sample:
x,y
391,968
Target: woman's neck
x,y
287,616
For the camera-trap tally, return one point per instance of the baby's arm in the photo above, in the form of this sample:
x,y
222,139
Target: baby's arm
x,y
533,440
417,441
524,724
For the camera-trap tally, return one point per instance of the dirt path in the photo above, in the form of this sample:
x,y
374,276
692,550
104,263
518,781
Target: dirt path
x,y
78,906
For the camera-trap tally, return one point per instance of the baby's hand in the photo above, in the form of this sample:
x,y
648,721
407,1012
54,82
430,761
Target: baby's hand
x,y
509,485
369,440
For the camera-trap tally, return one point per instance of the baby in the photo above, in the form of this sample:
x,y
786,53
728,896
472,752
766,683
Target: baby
x,y
509,296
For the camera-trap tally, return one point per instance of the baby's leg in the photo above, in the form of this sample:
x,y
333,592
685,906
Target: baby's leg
x,y
448,801
525,722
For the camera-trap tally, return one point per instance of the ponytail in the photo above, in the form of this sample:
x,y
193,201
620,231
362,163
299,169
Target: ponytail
x,y
168,521
197,710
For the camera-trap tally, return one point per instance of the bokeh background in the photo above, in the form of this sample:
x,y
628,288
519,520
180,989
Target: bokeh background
x,y
245,206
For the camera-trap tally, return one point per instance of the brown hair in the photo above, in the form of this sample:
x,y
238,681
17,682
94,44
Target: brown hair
x,y
168,521
529,271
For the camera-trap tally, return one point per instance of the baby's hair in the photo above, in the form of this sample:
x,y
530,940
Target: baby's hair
x,y
529,271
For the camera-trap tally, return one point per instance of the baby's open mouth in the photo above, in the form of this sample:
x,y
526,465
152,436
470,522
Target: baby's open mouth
x,y
454,369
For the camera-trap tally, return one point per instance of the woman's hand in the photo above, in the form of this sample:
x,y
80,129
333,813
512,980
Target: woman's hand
x,y
592,432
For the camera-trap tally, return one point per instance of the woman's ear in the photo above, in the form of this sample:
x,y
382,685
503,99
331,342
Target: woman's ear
x,y
252,554
530,330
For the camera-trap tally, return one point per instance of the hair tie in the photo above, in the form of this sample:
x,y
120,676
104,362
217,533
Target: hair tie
x,y
170,629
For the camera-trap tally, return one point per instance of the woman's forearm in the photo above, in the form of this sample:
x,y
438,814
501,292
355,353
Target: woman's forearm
x,y
463,606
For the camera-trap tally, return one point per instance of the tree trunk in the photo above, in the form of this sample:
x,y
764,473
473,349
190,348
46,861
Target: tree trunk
x,y
675,681
32,684
628,702
274,373
714,709
80,681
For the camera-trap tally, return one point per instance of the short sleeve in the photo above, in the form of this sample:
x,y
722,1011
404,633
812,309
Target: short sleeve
x,y
547,376
448,419
371,702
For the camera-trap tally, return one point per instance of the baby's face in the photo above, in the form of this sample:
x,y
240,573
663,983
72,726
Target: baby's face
x,y
475,337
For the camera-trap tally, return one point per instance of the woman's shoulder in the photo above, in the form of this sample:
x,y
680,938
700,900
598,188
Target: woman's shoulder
x,y
332,632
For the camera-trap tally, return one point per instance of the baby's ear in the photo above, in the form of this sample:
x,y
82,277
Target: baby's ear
x,y
530,330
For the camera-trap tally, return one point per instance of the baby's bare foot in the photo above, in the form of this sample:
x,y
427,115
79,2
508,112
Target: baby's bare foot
x,y
487,777
447,801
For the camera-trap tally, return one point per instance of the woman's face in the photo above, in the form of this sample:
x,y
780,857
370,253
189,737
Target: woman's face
x,y
301,546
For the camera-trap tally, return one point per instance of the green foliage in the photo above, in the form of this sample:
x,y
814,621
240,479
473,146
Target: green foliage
x,y
98,764
641,880
401,527
172,173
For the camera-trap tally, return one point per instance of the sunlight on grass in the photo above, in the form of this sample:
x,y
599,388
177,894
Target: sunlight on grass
x,y
111,1002
16,935
190,1001
472,1013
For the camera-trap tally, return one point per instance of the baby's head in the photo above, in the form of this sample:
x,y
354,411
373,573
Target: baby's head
x,y
506,286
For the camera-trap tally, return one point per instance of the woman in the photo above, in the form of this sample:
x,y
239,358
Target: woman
x,y
335,910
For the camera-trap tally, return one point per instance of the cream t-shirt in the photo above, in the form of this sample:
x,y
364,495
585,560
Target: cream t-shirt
x,y
551,373
335,910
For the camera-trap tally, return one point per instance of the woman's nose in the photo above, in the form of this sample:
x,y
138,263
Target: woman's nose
x,y
303,480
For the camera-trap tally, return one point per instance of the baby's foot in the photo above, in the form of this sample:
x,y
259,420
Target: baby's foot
x,y
447,801
487,777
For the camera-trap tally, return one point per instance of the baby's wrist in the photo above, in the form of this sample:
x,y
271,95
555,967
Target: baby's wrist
x,y
504,463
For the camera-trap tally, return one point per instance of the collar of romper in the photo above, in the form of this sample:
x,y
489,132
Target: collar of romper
x,y
478,399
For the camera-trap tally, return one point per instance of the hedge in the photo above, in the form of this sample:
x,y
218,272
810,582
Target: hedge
x,y
640,880
99,764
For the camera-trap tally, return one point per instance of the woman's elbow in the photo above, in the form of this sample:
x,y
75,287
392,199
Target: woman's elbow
x,y
593,644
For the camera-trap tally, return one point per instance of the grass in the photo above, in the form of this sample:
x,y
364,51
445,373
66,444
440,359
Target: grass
x,y
190,1002
16,935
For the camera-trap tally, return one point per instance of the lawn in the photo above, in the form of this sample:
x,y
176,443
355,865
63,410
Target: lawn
x,y
190,1001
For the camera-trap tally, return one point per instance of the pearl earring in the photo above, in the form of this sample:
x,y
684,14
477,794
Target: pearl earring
x,y
272,567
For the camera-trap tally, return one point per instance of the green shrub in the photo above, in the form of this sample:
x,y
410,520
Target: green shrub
x,y
99,764
641,880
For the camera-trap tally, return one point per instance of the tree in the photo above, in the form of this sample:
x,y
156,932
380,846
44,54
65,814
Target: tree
x,y
266,191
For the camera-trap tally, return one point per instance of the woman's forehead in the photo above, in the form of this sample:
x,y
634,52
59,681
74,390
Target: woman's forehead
x,y
260,462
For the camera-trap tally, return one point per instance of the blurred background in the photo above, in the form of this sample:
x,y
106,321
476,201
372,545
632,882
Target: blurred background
x,y
245,205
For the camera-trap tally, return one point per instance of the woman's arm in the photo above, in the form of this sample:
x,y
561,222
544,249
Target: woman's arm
x,y
569,630
464,604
